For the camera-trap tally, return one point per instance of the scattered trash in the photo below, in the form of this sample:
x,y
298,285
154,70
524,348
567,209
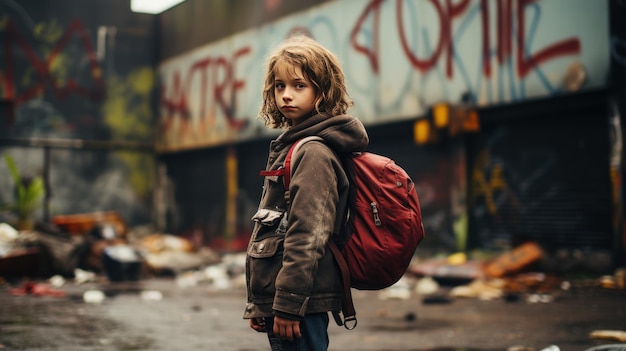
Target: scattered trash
x,y
426,286
57,281
217,277
37,289
615,281
122,263
526,348
482,289
520,348
399,291
617,335
151,295
7,233
515,260
105,231
551,348
457,259
164,242
187,279
93,296
455,268
82,223
82,276
609,347
539,298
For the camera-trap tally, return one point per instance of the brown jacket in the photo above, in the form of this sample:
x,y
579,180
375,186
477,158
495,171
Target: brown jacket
x,y
289,269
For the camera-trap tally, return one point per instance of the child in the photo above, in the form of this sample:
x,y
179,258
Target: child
x,y
292,278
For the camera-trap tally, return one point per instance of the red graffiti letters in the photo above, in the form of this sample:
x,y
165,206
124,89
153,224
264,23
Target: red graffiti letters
x,y
218,87
447,12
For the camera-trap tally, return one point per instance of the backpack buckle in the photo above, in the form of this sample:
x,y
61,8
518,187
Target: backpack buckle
x,y
350,322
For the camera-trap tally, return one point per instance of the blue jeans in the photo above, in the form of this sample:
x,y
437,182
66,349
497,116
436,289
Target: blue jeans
x,y
314,330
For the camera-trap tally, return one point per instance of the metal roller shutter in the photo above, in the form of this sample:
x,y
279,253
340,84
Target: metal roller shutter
x,y
544,178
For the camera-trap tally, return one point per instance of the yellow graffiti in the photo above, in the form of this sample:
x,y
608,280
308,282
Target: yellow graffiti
x,y
460,227
49,32
487,186
142,170
59,69
127,111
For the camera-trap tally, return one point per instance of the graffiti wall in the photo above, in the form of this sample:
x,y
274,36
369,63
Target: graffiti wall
x,y
553,190
399,56
76,85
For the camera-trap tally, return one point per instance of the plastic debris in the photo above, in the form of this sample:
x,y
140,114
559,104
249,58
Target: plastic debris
x,y
609,347
57,281
457,258
551,348
7,233
151,295
93,296
218,277
426,286
482,289
617,335
520,348
82,276
539,298
398,291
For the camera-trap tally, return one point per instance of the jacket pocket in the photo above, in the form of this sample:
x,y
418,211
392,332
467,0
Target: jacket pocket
x,y
267,247
264,262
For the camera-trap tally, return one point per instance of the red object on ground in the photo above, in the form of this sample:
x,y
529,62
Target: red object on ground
x,y
37,289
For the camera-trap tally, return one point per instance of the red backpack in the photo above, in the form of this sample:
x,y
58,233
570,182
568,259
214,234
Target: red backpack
x,y
386,224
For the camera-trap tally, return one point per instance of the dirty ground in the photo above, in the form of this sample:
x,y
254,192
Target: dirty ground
x,y
158,314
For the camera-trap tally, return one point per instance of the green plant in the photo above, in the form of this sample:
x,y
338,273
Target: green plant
x,y
27,193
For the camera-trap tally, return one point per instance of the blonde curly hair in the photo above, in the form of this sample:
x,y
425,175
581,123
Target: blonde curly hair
x,y
319,66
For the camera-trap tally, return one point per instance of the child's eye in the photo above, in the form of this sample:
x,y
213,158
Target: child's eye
x,y
300,86
279,85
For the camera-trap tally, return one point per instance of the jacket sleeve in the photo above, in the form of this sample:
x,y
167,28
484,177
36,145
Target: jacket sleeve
x,y
314,197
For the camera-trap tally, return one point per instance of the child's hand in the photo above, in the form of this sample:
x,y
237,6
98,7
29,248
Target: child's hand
x,y
257,324
286,328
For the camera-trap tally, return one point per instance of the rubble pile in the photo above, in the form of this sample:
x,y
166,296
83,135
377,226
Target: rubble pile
x,y
100,244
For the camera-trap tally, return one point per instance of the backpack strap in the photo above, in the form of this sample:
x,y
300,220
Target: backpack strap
x,y
347,306
292,150
349,313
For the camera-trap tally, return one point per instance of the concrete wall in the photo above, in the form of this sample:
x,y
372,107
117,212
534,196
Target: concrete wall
x,y
400,58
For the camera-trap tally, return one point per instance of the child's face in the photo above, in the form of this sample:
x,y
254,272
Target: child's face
x,y
295,95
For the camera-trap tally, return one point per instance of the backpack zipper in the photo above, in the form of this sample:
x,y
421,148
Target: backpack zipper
x,y
377,221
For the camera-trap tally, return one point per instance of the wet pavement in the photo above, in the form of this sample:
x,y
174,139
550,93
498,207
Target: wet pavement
x,y
157,314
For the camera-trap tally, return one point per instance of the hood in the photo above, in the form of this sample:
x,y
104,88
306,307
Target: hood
x,y
344,133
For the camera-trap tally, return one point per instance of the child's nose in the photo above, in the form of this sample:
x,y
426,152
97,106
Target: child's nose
x,y
287,94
